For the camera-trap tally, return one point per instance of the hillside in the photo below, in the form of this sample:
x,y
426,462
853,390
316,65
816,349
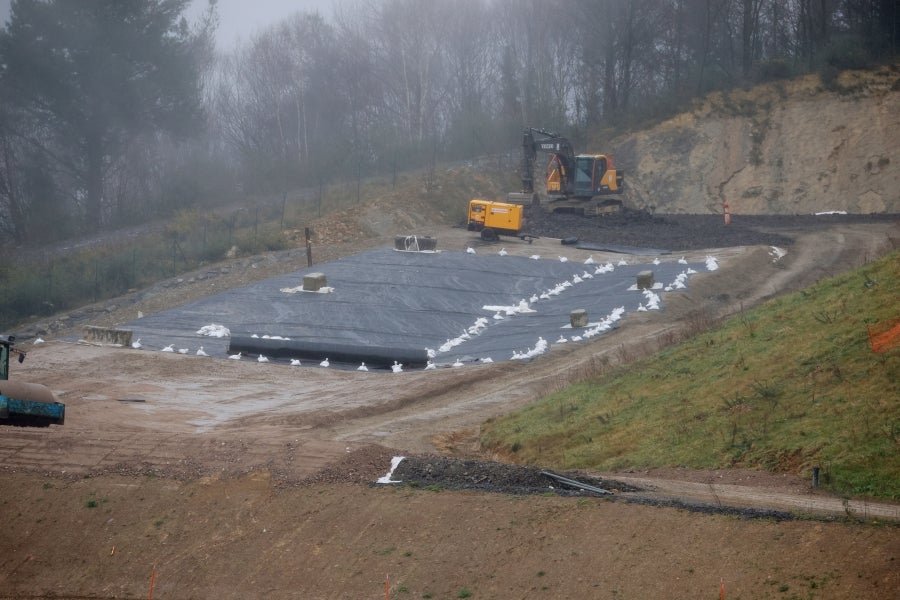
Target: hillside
x,y
786,387
789,147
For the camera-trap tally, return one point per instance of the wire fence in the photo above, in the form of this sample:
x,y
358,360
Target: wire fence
x,y
62,281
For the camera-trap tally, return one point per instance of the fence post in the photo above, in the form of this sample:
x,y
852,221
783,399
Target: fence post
x,y
96,279
255,226
50,283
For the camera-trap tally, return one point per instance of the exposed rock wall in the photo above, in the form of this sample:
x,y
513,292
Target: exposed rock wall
x,y
790,147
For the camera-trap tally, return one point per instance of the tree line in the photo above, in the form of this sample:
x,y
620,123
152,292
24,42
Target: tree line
x,y
115,112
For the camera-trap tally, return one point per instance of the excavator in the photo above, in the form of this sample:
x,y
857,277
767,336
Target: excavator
x,y
25,404
580,184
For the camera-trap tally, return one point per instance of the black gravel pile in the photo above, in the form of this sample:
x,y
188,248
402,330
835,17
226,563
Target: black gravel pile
x,y
448,473
683,232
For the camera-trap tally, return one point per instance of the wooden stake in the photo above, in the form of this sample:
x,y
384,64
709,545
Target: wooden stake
x,y
152,579
387,586
721,588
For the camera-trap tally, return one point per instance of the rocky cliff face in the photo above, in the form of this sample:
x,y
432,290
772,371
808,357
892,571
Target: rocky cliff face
x,y
792,147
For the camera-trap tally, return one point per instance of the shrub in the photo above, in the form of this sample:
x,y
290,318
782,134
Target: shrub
x,y
774,69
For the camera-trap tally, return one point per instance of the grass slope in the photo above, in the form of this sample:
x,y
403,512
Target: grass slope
x,y
788,386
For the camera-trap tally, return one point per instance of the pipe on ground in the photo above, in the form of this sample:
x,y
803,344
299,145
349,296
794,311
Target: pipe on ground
x,y
373,356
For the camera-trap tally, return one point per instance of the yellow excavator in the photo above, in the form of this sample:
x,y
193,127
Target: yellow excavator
x,y
574,183
25,404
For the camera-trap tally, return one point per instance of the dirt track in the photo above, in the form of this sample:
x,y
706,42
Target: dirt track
x,y
191,422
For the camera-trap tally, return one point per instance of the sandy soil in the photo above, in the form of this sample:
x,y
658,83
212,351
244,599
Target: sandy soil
x,y
237,479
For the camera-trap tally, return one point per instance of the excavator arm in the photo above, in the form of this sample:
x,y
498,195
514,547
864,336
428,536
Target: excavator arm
x,y
561,167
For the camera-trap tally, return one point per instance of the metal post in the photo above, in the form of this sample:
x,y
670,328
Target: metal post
x,y
50,282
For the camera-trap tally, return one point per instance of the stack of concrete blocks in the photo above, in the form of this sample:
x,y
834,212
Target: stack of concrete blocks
x,y
415,243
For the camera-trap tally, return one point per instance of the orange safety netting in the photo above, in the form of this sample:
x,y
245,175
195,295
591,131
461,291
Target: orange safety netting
x,y
884,336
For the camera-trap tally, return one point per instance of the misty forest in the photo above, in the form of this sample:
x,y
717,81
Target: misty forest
x,y
120,112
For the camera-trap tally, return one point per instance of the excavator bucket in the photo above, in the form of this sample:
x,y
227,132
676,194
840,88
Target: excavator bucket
x,y
29,405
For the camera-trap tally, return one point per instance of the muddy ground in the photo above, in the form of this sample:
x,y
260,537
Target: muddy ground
x,y
238,480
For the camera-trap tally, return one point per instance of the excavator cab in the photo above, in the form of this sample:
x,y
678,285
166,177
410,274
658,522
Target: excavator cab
x,y
585,175
25,404
595,175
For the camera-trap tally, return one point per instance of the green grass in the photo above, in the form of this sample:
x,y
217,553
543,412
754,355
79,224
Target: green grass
x,y
40,288
786,387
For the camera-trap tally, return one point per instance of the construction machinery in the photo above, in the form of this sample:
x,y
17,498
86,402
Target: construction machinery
x,y
493,219
25,404
574,183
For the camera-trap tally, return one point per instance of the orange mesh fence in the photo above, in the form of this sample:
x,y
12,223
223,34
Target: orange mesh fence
x,y
884,336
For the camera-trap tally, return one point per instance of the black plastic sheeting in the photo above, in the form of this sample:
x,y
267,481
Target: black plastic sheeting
x,y
409,301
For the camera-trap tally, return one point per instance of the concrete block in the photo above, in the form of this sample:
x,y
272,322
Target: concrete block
x,y
645,280
578,318
107,335
313,282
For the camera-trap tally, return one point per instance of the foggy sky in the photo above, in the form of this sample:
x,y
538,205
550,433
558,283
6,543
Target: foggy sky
x,y
239,20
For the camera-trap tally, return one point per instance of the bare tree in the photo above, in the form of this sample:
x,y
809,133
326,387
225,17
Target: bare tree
x,y
750,38
471,67
276,99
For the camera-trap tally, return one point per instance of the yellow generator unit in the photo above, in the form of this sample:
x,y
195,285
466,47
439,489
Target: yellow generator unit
x,y
495,218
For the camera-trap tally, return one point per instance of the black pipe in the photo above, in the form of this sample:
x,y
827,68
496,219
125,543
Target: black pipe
x,y
374,356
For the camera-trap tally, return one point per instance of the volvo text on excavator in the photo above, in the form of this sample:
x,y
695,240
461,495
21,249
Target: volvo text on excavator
x,y
581,183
